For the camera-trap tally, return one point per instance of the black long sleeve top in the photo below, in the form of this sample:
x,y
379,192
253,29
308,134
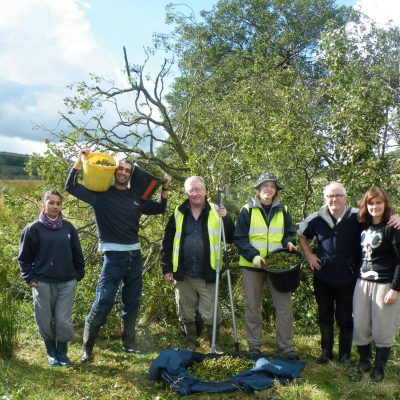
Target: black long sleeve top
x,y
117,212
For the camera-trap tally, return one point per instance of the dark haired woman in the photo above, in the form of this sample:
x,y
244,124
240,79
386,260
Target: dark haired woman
x,y
51,262
376,303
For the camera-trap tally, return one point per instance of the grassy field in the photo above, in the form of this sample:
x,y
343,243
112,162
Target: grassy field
x,y
117,375
19,185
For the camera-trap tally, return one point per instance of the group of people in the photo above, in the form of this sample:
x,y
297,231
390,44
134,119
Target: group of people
x,y
356,275
356,266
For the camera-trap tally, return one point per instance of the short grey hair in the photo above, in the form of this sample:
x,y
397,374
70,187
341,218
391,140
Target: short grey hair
x,y
189,180
337,184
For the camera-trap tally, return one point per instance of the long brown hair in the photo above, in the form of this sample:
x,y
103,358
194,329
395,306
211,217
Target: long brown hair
x,y
363,215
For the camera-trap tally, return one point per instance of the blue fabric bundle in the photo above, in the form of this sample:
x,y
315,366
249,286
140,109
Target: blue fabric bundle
x,y
172,367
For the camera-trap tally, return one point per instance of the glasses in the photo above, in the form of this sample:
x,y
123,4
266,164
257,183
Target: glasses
x,y
195,190
335,196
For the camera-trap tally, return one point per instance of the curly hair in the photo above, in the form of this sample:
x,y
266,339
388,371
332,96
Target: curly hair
x,y
373,192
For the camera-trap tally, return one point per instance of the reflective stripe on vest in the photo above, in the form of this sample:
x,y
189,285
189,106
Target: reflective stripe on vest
x,y
265,239
213,234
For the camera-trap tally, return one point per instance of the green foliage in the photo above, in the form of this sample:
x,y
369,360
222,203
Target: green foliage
x,y
13,159
362,98
264,85
221,368
12,166
281,260
9,324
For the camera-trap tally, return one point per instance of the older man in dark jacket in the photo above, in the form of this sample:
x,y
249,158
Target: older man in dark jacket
x,y
189,255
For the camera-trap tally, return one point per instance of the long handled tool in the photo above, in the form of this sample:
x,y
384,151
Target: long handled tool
x,y
221,238
217,274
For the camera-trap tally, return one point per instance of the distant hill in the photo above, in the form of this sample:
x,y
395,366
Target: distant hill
x,y
12,166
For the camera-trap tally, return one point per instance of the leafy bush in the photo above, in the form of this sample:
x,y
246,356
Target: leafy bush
x,y
9,325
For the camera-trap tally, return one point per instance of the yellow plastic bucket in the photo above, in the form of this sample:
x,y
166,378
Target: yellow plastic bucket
x,y
98,177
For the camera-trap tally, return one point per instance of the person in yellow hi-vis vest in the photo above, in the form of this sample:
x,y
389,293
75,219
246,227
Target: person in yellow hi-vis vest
x,y
189,257
264,225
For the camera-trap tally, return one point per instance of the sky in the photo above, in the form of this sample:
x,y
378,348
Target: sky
x,y
46,45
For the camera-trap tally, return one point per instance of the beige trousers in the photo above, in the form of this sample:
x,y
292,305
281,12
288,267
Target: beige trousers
x,y
253,283
373,319
194,294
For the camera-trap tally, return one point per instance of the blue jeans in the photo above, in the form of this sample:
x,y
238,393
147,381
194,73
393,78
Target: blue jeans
x,y
118,266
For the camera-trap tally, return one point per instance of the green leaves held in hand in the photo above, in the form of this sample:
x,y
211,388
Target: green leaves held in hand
x,y
281,261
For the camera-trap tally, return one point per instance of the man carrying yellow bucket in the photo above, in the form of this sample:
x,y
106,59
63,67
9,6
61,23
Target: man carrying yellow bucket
x,y
117,212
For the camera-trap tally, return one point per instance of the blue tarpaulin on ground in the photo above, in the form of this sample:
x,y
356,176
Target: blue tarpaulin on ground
x,y
172,367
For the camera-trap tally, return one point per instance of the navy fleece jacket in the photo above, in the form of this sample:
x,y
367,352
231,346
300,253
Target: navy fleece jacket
x,y
49,255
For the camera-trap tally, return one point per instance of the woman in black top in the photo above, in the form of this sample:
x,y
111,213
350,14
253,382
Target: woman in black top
x,y
376,303
51,262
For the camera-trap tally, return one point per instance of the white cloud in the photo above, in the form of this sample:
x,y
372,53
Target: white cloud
x,y
48,42
45,45
21,146
381,11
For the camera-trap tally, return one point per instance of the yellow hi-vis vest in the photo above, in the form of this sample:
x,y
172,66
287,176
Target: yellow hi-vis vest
x,y
263,237
213,234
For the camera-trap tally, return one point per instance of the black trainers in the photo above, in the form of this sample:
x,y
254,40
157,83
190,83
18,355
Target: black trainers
x,y
131,349
344,359
324,357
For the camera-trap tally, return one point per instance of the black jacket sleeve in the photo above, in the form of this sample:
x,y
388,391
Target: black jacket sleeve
x,y
152,207
77,190
395,284
289,232
241,236
77,255
167,246
229,228
26,256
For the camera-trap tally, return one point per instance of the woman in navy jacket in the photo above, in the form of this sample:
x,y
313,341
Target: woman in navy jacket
x,y
51,263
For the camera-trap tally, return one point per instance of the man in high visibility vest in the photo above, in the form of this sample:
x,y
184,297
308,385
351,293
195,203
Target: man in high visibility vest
x,y
264,225
189,252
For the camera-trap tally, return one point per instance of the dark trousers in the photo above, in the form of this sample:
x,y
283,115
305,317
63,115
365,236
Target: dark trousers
x,y
118,267
335,302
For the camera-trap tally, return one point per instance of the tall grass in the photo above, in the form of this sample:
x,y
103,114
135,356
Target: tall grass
x,y
9,325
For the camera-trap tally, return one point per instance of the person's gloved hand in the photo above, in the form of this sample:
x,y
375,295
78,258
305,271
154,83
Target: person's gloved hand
x,y
258,261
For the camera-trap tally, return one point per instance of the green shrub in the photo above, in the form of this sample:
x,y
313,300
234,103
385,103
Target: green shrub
x,y
9,326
